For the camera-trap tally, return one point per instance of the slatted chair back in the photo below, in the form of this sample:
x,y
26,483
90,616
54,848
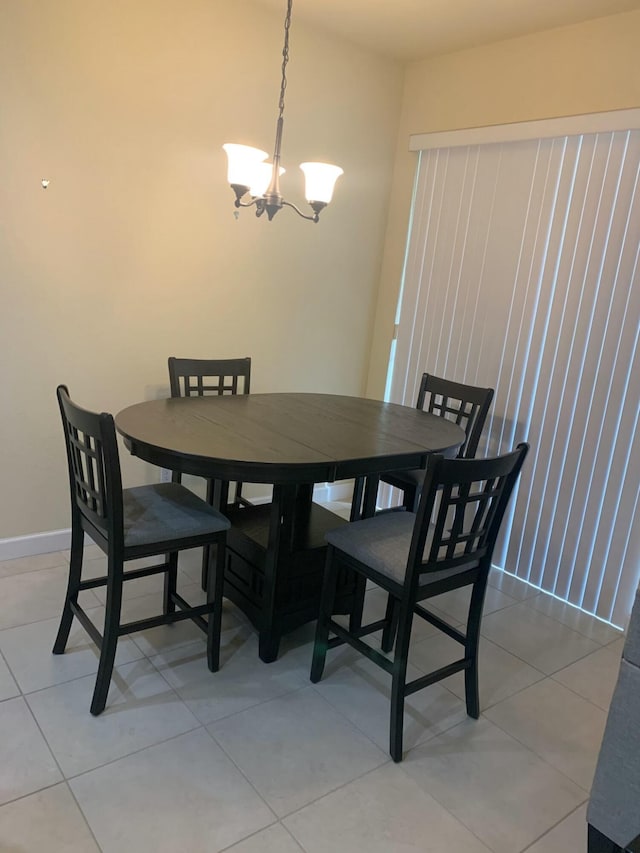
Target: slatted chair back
x,y
94,469
197,377
460,512
446,545
466,405
156,520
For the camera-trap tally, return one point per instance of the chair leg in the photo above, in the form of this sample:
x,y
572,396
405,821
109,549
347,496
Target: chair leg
x,y
73,585
599,843
327,597
206,551
356,500
170,584
218,497
355,619
471,687
399,680
109,637
411,498
390,629
215,590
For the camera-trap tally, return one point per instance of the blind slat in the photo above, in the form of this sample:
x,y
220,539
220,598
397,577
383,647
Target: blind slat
x,y
521,273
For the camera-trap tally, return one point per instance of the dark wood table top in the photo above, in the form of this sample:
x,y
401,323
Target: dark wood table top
x,y
284,438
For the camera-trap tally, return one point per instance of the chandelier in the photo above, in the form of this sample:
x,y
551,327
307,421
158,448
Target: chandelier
x,y
249,174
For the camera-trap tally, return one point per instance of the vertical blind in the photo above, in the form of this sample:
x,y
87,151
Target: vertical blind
x,y
521,273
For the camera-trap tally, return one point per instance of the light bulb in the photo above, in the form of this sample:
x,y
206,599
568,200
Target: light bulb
x,y
242,160
320,179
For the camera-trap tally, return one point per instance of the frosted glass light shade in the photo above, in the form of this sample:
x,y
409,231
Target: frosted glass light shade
x,y
242,161
320,179
261,178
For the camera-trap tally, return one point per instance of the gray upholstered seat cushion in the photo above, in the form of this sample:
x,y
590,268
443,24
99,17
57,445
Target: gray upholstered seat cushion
x,y
166,511
383,543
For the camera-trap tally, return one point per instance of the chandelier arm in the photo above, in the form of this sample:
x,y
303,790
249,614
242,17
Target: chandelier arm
x,y
239,203
313,218
259,203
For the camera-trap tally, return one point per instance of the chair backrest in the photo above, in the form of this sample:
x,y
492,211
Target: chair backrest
x,y
94,468
461,508
196,377
466,405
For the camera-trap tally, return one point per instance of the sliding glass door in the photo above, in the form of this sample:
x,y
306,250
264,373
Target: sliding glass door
x,y
522,273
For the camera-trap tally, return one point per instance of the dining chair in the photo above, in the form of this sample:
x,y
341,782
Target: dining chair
x,y
466,405
447,544
127,524
197,377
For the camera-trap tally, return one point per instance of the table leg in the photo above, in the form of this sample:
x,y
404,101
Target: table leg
x,y
217,497
274,562
363,506
219,490
268,646
282,506
365,493
300,513
370,495
290,512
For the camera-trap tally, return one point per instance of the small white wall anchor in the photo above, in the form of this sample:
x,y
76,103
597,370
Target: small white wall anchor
x,y
45,183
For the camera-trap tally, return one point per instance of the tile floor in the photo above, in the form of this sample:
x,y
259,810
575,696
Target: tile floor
x,y
255,759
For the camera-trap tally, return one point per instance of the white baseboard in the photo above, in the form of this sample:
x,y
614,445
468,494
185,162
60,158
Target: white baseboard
x,y
36,543
333,491
60,540
322,492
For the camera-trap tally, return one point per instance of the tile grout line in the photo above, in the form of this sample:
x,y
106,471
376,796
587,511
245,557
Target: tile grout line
x,y
533,752
84,817
326,793
280,820
258,832
551,828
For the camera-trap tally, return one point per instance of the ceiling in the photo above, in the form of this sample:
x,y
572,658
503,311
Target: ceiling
x,y
416,29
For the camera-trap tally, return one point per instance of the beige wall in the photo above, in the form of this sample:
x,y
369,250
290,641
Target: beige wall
x,y
133,253
587,68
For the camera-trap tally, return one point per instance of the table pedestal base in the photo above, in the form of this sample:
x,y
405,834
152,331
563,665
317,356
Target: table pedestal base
x,y
274,571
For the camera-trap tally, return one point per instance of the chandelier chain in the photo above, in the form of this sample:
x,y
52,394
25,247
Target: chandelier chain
x,y
285,57
246,168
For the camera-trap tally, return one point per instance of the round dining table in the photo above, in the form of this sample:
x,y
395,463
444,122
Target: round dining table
x,y
275,555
